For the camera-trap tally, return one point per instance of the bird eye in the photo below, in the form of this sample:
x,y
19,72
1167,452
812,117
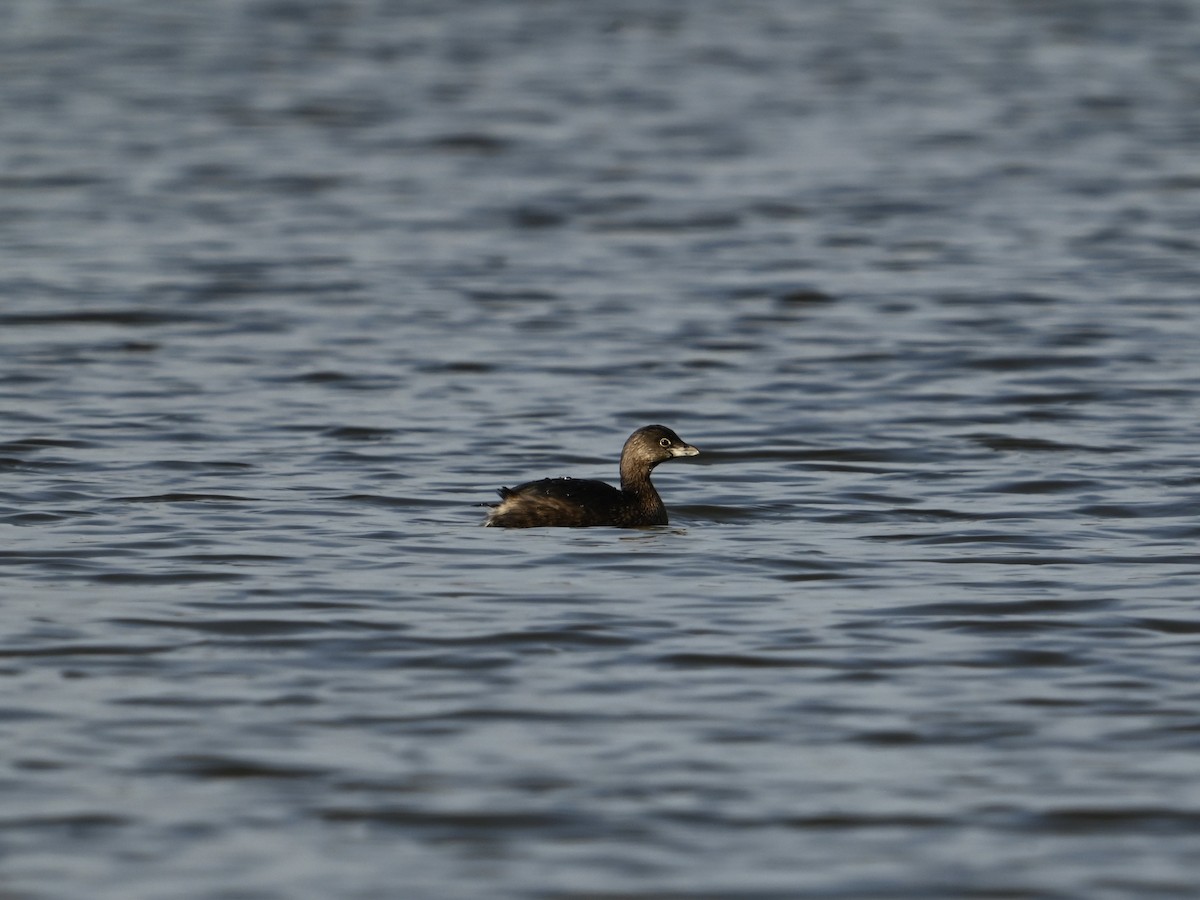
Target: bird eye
x,y
664,442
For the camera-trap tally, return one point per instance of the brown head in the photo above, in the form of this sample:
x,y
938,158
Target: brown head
x,y
646,448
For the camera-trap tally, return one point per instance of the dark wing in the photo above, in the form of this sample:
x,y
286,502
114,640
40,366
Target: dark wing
x,y
562,502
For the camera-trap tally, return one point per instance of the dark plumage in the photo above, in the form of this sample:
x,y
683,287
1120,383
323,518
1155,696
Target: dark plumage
x,y
577,502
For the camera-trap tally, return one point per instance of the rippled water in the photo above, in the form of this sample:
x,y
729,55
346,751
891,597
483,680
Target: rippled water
x,y
290,287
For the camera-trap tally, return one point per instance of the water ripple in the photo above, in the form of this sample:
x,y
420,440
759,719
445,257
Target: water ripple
x,y
919,280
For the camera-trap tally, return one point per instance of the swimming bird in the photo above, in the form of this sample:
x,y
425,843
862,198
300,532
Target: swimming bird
x,y
579,502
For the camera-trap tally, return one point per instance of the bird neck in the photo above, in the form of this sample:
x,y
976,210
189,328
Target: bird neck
x,y
635,479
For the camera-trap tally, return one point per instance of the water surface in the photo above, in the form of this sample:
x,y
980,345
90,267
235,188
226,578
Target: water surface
x,y
291,287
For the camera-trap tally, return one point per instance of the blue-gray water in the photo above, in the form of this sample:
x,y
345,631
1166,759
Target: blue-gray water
x,y
288,288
